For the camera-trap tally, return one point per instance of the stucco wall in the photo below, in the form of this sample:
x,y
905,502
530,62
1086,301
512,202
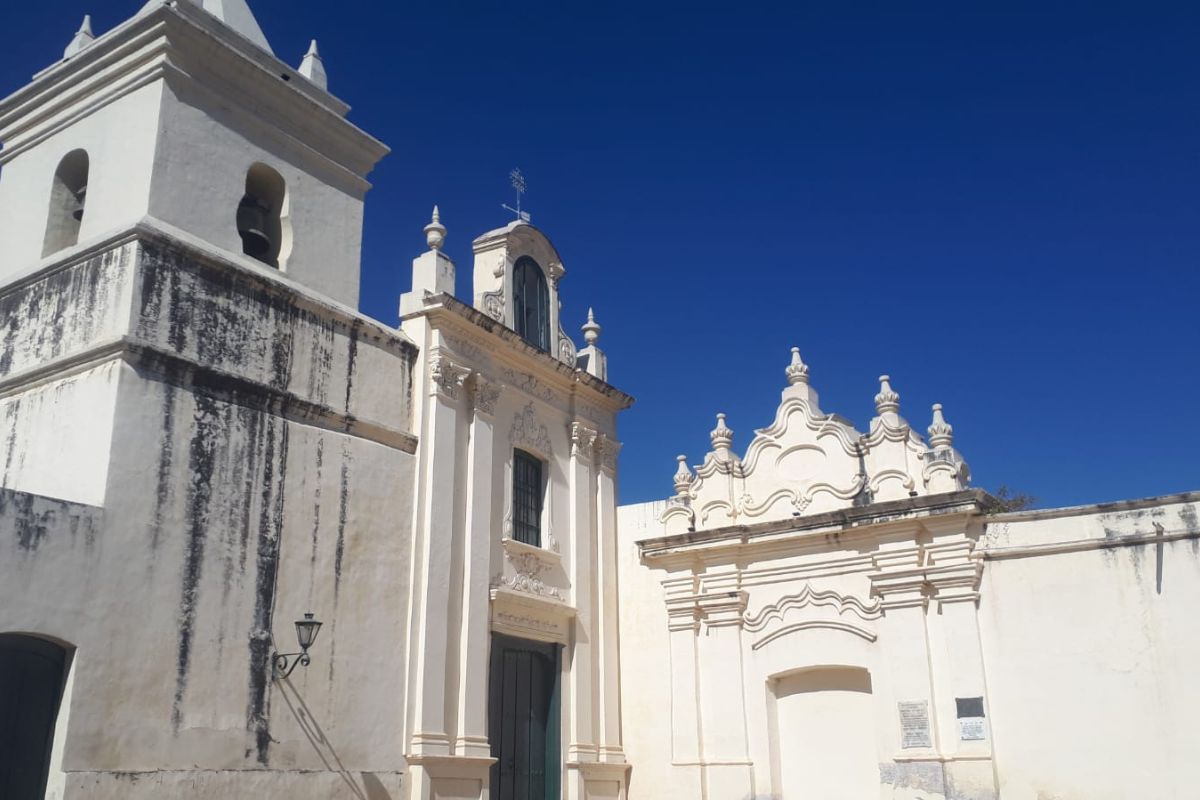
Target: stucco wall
x,y
1076,626
324,211
120,139
1091,651
260,466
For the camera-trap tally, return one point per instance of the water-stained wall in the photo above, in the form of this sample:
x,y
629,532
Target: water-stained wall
x,y
246,449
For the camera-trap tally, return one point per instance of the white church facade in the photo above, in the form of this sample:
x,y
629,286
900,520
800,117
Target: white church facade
x,y
255,543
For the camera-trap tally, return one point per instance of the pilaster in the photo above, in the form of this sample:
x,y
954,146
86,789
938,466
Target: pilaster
x,y
435,529
582,720
472,730
724,746
606,577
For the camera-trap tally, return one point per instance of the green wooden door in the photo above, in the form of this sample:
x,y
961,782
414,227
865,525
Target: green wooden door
x,y
523,719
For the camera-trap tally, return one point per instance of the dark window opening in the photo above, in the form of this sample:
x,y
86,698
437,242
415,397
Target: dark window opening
x,y
528,494
32,674
68,196
531,303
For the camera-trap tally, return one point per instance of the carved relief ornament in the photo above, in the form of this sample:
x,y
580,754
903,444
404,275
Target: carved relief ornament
x,y
528,430
583,441
446,378
487,393
607,450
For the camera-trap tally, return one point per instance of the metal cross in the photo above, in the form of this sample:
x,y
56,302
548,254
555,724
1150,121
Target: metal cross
x,y
518,183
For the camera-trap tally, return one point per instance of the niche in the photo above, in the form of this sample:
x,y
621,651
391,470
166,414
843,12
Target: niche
x,y
68,196
262,216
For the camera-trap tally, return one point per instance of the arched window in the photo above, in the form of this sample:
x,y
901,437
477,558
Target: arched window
x,y
32,674
68,196
262,216
531,303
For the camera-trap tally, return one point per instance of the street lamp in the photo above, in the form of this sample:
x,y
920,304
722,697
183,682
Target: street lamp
x,y
306,634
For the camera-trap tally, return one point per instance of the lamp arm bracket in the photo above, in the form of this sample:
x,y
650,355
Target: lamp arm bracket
x,y
282,664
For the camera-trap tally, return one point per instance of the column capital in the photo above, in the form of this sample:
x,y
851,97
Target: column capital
x,y
584,441
446,377
485,393
607,449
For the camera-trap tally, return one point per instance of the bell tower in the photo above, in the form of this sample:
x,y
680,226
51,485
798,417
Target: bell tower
x,y
183,119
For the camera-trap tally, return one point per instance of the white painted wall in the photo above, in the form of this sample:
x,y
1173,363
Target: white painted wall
x,y
1081,642
252,473
1090,653
121,140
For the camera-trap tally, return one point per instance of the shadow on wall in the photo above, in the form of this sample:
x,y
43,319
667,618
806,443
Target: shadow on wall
x,y
371,787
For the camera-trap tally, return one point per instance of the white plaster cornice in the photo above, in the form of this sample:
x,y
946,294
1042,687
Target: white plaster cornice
x,y
451,315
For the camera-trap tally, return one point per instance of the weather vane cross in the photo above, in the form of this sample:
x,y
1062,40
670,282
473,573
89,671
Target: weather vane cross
x,y
518,183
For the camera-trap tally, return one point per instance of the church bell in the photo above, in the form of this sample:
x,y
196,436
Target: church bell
x,y
252,226
80,198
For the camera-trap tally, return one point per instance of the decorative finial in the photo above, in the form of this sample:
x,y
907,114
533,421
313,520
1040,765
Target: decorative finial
x,y
591,329
435,231
683,477
940,432
313,67
721,436
83,37
797,371
887,400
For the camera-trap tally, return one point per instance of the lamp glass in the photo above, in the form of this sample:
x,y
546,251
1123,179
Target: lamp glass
x,y
306,631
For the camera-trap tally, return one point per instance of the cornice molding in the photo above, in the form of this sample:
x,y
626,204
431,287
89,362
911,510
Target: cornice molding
x,y
443,311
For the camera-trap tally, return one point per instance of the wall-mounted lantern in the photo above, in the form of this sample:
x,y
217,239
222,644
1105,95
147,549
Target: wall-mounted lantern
x,y
306,634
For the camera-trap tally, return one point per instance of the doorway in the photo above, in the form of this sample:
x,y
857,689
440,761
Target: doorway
x,y
32,673
523,719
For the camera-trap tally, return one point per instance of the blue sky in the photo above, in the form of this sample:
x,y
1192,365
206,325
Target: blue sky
x,y
997,204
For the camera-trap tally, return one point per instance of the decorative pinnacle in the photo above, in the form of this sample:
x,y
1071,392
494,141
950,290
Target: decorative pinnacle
x,y
940,432
313,67
722,435
683,477
83,37
887,400
797,371
435,231
591,329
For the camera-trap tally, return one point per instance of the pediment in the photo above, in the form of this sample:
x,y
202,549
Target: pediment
x,y
808,461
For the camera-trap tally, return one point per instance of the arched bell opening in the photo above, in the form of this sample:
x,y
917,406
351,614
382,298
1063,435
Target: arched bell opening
x,y
33,673
68,198
262,216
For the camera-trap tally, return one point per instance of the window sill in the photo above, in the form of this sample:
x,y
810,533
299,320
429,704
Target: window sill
x,y
515,548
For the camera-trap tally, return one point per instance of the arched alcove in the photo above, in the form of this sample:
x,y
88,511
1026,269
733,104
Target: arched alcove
x,y
823,741
263,221
68,196
32,675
